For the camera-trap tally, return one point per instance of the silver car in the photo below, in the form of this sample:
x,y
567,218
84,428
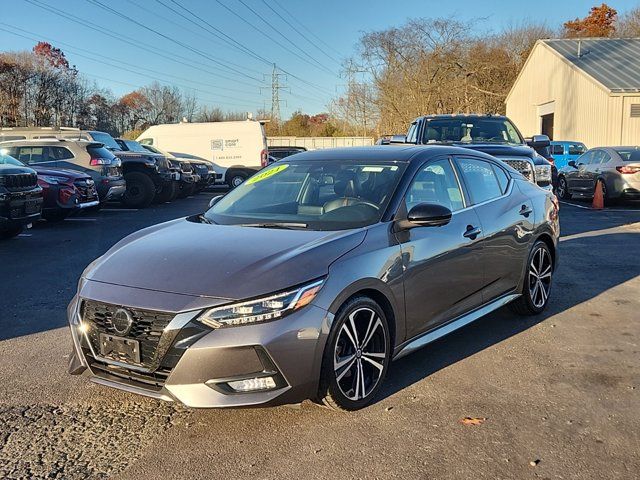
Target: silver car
x,y
616,169
313,275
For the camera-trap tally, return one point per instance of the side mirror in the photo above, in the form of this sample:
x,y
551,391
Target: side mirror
x,y
428,215
572,163
539,141
215,200
398,139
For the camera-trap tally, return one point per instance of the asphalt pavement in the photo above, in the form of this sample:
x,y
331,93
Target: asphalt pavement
x,y
555,396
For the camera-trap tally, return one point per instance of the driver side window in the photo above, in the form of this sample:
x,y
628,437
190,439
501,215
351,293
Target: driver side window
x,y
435,183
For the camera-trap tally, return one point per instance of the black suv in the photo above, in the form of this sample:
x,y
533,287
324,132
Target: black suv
x,y
20,196
148,177
492,134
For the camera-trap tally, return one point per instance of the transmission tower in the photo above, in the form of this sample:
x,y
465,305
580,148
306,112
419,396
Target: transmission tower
x,y
276,86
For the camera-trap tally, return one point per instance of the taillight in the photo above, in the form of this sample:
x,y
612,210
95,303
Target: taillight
x,y
551,160
264,158
628,169
94,162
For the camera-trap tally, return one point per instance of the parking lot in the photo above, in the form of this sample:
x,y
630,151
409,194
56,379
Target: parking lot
x,y
557,395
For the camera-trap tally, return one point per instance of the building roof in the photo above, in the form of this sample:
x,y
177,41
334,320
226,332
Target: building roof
x,y
613,62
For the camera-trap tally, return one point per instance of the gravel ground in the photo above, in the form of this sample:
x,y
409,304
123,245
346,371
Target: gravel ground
x,y
559,393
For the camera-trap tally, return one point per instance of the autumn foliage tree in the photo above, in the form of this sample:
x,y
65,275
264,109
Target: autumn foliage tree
x,y
601,22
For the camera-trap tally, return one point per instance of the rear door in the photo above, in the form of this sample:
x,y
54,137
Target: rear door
x,y
36,155
506,217
576,177
594,169
443,268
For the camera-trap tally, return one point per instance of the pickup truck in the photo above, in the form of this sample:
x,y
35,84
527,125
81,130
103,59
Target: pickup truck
x,y
492,134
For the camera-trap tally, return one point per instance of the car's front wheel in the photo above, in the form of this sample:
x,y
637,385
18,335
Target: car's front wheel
x,y
356,357
537,282
140,190
563,189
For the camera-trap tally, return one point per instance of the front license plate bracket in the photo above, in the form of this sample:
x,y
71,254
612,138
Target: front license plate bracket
x,y
119,348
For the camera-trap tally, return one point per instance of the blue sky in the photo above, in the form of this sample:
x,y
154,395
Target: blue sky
x,y
238,77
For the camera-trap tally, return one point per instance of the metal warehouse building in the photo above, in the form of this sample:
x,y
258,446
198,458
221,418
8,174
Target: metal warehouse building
x,y
584,90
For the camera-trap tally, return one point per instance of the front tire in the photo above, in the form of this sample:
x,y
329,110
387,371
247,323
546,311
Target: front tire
x,y
356,357
140,190
563,189
168,193
236,179
536,286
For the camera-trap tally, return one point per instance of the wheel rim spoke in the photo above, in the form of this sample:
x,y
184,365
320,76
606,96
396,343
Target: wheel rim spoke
x,y
363,392
346,369
338,365
367,339
378,365
345,329
353,328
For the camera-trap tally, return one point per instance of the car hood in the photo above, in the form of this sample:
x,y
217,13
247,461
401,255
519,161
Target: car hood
x,y
60,172
220,261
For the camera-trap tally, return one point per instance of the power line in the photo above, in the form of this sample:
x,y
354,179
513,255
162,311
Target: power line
x,y
319,39
173,40
117,65
314,62
299,32
131,41
238,44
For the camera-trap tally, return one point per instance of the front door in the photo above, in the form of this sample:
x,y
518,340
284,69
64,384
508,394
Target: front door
x,y
443,265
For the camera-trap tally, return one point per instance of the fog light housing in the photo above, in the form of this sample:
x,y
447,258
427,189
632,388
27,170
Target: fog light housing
x,y
253,384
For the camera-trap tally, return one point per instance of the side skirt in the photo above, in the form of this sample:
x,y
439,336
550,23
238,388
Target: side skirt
x,y
453,325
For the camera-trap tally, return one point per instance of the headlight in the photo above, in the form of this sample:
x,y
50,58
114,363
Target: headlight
x,y
543,173
262,309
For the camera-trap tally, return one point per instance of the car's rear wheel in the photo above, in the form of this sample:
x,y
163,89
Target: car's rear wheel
x,y
356,357
140,190
537,282
605,195
563,189
236,179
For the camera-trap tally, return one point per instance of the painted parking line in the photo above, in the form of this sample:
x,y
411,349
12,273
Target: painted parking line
x,y
25,235
119,209
80,219
575,205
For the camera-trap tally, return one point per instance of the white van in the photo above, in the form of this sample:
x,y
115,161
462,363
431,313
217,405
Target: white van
x,y
237,149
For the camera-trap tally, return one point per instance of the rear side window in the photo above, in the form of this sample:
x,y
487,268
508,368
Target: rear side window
x,y
59,153
31,154
480,179
503,178
98,151
585,159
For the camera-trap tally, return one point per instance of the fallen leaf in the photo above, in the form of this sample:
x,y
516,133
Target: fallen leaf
x,y
472,420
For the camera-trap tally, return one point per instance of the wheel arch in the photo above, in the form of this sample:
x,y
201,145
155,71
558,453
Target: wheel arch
x,y
548,240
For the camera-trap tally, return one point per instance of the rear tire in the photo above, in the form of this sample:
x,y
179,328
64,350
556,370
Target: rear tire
x,y
140,190
563,189
11,232
356,357
236,179
536,286
186,190
605,195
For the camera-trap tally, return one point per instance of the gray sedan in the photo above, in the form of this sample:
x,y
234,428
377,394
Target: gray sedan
x,y
313,275
617,169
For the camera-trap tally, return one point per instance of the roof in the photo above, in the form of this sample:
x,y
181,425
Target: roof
x,y
613,62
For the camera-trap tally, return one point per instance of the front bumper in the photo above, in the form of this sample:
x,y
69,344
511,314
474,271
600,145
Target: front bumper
x,y
20,208
200,361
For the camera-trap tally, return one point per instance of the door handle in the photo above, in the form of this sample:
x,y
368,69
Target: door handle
x,y
472,232
525,211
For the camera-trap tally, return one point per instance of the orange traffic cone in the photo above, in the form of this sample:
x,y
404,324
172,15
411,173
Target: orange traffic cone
x,y
598,197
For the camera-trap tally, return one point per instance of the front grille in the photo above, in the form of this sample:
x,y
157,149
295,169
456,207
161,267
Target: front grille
x,y
186,167
150,380
522,166
19,181
86,189
147,327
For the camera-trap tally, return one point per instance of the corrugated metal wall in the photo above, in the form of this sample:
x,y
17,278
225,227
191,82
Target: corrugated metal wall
x,y
316,143
584,111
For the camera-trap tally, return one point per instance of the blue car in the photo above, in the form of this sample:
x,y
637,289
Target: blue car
x,y
564,152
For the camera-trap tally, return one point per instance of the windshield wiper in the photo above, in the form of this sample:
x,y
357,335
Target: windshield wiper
x,y
284,225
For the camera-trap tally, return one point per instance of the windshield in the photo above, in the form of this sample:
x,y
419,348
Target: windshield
x,y
328,195
629,154
470,130
134,146
8,160
107,139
